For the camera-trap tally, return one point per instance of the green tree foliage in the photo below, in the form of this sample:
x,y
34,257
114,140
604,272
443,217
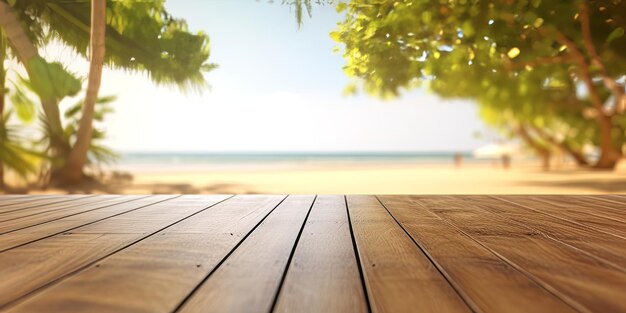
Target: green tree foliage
x,y
140,36
302,7
554,67
27,153
14,153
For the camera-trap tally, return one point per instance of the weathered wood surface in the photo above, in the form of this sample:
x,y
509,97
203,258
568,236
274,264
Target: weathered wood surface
x,y
272,253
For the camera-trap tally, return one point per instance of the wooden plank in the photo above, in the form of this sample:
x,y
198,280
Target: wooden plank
x,y
486,281
55,211
40,231
9,216
601,205
615,203
29,267
619,200
607,248
577,213
323,275
398,276
6,200
583,281
156,274
10,204
39,201
250,276
13,196
590,205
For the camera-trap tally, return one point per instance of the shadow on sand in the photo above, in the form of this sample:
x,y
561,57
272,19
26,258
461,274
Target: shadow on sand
x,y
122,183
604,186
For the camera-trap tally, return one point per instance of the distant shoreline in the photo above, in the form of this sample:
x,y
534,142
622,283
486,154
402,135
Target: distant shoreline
x,y
357,154
292,156
192,161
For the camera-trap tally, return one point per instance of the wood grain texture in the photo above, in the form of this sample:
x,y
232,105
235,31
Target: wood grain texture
x,y
29,267
599,206
607,248
485,280
167,253
54,208
156,274
323,275
6,200
55,212
37,202
398,276
619,200
583,281
581,214
249,278
36,232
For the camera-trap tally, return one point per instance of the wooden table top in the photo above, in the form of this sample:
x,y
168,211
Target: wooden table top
x,y
307,253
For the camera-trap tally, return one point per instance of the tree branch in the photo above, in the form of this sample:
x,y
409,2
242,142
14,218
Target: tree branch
x,y
563,145
541,151
610,83
559,59
609,153
585,73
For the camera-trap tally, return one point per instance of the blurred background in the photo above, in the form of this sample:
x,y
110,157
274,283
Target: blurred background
x,y
358,97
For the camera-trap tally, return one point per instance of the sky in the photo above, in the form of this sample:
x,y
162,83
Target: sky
x,y
277,89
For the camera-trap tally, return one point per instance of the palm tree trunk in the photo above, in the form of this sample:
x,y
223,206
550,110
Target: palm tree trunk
x,y
27,52
3,51
73,171
13,30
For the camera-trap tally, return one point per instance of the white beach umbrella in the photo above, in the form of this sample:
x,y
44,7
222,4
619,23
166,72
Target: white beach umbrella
x,y
494,151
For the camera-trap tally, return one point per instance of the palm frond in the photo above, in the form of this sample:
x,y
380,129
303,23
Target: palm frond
x,y
141,36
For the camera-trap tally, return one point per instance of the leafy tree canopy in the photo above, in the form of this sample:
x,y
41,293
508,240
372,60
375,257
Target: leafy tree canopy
x,y
400,44
526,60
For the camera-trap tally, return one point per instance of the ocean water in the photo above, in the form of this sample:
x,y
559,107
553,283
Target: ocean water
x,y
230,161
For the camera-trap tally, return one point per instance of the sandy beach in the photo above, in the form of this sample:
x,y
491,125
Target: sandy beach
x,y
358,178
364,179
386,179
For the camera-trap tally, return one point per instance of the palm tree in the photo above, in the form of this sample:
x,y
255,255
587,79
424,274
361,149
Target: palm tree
x,y
50,80
140,36
12,154
3,52
72,172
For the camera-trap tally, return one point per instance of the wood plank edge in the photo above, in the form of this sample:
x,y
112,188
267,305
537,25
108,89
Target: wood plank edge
x,y
89,223
48,203
73,214
208,275
548,287
559,241
588,227
290,259
455,286
359,266
89,264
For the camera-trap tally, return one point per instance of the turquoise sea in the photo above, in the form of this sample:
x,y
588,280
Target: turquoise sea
x,y
175,160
